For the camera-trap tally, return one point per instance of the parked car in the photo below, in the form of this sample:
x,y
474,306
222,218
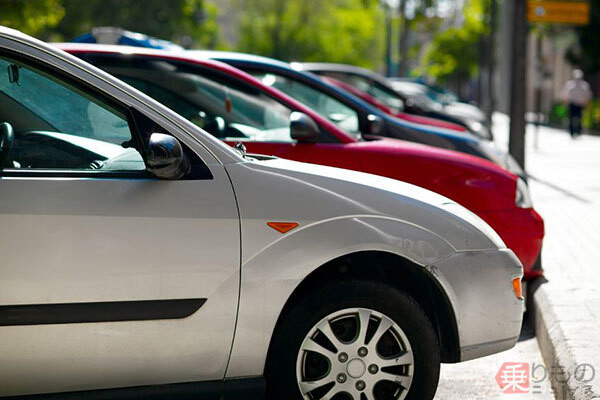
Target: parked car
x,y
114,35
234,106
126,228
420,92
402,115
378,86
289,77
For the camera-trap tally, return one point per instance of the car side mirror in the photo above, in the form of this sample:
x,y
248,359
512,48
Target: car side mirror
x,y
302,127
165,157
375,124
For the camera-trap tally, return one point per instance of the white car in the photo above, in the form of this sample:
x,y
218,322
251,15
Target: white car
x,y
140,254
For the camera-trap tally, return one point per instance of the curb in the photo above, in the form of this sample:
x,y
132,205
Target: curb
x,y
558,356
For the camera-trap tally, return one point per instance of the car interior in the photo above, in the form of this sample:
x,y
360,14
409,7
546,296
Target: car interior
x,y
76,132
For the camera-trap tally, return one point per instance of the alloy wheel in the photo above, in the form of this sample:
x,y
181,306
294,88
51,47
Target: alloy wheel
x,y
355,354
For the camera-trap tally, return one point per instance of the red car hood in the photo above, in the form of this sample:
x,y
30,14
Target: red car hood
x,y
398,147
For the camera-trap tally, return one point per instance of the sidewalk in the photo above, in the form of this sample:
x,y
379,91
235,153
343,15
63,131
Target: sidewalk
x,y
565,185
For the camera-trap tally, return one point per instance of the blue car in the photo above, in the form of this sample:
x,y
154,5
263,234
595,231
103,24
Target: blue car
x,y
112,35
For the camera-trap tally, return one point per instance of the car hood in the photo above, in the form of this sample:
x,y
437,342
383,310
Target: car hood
x,y
329,192
465,110
400,148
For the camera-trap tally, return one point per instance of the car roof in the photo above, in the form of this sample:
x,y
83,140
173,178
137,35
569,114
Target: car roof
x,y
290,69
232,55
350,69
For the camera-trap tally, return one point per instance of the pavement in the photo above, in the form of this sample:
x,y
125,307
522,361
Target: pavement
x,y
565,185
476,379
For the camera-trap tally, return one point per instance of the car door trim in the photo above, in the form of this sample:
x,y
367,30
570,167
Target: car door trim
x,y
108,311
250,388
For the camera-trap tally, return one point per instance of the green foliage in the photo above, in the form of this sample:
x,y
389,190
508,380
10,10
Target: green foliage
x,y
591,115
346,31
590,118
31,16
171,20
454,52
558,114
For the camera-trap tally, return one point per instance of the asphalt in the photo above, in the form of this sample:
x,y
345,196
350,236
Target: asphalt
x,y
565,185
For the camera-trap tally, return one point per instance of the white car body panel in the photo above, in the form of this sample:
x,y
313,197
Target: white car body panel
x,y
88,240
374,214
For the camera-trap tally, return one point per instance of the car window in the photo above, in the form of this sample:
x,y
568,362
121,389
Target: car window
x,y
221,105
58,126
337,112
375,89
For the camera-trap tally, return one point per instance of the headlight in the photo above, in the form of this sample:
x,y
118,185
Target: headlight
x,y
475,126
492,152
522,196
513,166
501,158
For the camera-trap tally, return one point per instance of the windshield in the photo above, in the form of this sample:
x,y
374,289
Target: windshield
x,y
388,96
337,112
419,94
217,103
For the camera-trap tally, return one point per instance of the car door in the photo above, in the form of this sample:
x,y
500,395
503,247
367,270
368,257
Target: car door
x,y
109,277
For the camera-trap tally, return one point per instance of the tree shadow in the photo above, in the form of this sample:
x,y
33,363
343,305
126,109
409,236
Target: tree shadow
x,y
560,189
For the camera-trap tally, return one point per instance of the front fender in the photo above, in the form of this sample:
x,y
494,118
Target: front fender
x,y
270,276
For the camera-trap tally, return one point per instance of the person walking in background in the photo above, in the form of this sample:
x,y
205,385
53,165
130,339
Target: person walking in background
x,y
577,95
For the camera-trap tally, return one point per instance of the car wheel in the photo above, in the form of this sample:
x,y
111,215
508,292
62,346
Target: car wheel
x,y
354,340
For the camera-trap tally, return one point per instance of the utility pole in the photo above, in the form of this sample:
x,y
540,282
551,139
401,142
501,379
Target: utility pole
x,y
539,85
490,105
403,40
518,82
388,39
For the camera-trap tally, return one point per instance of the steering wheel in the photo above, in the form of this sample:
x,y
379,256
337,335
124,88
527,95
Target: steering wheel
x,y
7,137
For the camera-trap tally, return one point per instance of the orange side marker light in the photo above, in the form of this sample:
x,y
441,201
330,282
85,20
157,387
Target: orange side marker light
x,y
282,227
517,288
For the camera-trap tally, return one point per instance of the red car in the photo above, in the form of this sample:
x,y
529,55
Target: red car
x,y
417,119
235,106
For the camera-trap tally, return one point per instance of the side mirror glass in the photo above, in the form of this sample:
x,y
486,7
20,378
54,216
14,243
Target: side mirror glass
x,y
165,157
375,124
302,127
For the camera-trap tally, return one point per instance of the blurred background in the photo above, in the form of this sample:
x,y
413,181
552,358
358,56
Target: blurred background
x,y
462,45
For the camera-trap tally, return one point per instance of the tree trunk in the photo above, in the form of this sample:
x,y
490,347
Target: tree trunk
x,y
403,42
388,40
518,82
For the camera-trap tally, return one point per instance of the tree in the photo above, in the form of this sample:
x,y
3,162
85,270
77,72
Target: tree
x,y
419,8
31,16
455,51
177,20
346,31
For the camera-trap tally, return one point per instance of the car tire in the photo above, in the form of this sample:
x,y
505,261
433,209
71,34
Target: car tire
x,y
303,365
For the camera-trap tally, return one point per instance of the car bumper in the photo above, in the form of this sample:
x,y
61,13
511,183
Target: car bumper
x,y
480,288
522,230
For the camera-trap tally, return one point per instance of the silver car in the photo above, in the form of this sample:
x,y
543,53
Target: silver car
x,y
140,254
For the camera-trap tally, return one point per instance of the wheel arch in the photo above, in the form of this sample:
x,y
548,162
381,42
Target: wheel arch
x,y
387,268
